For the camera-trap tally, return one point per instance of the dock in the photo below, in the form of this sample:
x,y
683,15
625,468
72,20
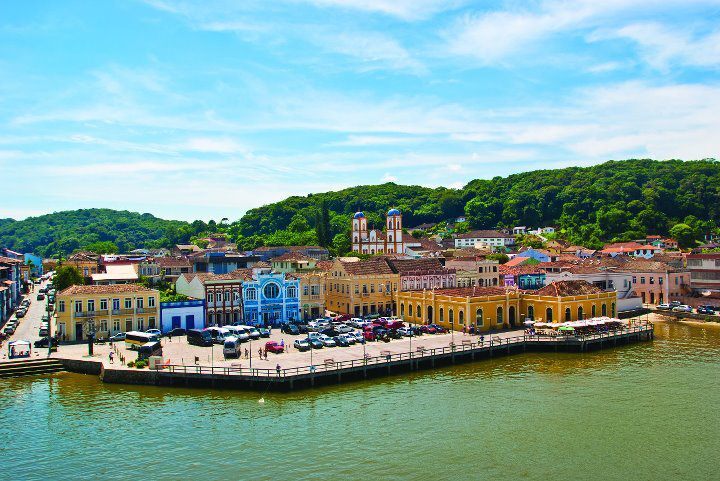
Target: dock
x,y
326,371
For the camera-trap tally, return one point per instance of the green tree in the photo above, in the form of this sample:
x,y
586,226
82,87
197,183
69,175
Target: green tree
x,y
341,245
684,234
322,225
66,276
102,247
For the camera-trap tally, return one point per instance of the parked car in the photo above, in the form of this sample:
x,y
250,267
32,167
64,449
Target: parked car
x,y
705,310
326,340
341,341
342,318
675,303
663,307
406,332
439,329
429,329
315,343
20,313
232,347
290,329
178,331
273,346
43,331
253,332
359,338
41,297
394,334
394,325
44,342
302,345
154,332
330,332
356,322
318,325
682,308
197,337
343,328
9,329
120,336
349,338
264,332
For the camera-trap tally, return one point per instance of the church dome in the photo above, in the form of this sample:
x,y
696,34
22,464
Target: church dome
x,y
393,212
358,215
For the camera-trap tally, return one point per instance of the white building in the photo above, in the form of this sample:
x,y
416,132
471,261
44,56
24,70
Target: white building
x,y
182,314
491,238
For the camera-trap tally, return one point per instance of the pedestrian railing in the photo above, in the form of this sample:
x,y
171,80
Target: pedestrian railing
x,y
388,358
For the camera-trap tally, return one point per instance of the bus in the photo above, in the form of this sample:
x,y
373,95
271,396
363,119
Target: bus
x,y
135,339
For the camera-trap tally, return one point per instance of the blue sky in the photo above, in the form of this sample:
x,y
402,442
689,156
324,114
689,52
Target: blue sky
x,y
205,109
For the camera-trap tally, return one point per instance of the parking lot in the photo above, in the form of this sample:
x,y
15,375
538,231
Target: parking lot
x,y
176,350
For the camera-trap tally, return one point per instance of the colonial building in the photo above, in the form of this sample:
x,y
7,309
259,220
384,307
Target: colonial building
x,y
106,310
657,282
361,287
473,269
188,314
523,277
222,294
422,274
220,262
312,294
704,272
171,268
85,262
497,307
271,299
11,285
265,253
375,241
293,262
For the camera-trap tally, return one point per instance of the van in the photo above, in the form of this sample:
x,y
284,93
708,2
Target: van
x,y
238,331
218,334
252,331
196,337
148,349
231,347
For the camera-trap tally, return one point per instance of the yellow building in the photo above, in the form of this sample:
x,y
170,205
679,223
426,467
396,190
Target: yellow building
x,y
489,308
565,301
312,294
85,262
361,287
484,307
108,309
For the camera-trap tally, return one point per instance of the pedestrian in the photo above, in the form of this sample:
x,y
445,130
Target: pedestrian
x,y
260,352
111,355
266,355
482,338
464,331
247,354
277,369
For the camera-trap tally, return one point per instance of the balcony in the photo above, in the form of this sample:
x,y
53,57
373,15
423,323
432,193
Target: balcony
x,y
146,310
121,312
84,314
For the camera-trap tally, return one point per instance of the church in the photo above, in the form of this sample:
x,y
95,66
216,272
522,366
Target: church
x,y
376,241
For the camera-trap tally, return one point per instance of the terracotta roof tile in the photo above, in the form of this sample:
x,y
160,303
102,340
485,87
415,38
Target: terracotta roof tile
x,y
104,289
567,288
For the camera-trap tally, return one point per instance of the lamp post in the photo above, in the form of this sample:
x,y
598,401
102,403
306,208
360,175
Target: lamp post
x,y
49,329
90,328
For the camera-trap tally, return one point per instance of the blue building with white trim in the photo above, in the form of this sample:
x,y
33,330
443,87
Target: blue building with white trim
x,y
271,299
182,314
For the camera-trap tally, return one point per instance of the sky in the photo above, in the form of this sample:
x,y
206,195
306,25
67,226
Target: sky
x,y
205,109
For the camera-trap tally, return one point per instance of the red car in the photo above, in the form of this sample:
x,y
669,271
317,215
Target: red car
x,y
342,318
273,346
428,329
394,325
380,322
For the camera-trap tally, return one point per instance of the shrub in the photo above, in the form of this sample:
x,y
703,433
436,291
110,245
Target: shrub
x,y
131,364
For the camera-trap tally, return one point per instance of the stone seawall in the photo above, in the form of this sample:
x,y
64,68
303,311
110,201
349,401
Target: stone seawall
x,y
129,376
81,366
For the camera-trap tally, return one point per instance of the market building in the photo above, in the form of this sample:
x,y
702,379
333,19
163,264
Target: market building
x,y
271,299
105,310
361,287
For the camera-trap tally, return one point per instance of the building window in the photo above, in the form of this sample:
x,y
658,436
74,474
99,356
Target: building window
x,y
292,291
271,291
140,302
78,306
61,306
603,310
642,280
91,305
419,312
372,288
141,324
128,303
103,325
227,296
451,317
116,325
531,313
499,315
218,297
652,280
634,280
479,317
548,314
442,315
567,314
593,310
305,290
402,310
461,317
151,301
660,280
151,323
209,297
103,304
250,294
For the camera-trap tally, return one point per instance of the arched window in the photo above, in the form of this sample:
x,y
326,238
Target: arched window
x,y
461,317
211,317
593,311
567,314
227,296
442,315
548,314
479,317
402,310
604,310
218,297
271,291
613,309
451,316
419,312
531,313
499,315
580,313
250,294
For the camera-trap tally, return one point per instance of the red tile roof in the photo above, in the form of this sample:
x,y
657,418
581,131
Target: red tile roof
x,y
367,267
567,288
473,291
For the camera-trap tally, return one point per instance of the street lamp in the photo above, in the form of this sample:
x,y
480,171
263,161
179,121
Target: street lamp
x,y
90,328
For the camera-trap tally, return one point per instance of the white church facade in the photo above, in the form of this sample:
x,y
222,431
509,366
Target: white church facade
x,y
375,241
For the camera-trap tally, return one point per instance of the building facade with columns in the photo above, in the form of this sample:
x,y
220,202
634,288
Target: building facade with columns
x,y
375,241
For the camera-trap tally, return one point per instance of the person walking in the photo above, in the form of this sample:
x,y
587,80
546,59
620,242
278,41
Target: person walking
x,y
260,353
111,356
277,369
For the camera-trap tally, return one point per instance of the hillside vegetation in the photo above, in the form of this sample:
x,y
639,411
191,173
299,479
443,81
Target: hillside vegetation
x,y
617,200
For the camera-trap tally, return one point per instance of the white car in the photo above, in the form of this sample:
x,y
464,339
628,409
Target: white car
x,y
663,307
682,308
154,332
327,341
405,331
350,339
343,328
356,322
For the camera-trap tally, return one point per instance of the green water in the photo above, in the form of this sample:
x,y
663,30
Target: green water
x,y
646,411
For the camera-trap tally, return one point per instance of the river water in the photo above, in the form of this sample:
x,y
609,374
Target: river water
x,y
647,411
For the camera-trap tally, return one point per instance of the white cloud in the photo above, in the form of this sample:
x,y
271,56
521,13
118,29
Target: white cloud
x,y
214,145
660,46
388,178
403,9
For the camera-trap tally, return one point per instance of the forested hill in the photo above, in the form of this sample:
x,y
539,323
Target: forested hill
x,y
617,200
97,229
